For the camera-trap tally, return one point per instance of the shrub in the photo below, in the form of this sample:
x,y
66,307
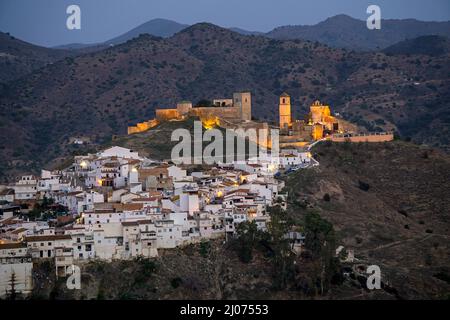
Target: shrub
x,y
363,186
205,248
176,282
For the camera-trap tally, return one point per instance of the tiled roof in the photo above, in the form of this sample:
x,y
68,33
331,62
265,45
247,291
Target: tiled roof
x,y
47,238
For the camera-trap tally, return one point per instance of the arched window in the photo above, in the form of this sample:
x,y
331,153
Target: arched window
x,y
284,100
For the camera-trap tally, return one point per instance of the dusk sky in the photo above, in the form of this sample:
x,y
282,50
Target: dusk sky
x,y
43,22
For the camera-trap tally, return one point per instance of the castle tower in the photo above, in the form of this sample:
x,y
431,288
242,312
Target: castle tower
x,y
318,112
243,100
285,112
184,107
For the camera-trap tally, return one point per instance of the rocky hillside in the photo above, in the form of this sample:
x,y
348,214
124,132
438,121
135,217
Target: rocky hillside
x,y
388,203
426,45
99,94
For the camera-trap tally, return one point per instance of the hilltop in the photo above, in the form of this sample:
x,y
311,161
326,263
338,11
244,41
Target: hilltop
x,y
18,58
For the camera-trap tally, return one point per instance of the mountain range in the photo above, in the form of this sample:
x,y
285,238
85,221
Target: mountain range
x,y
341,31
96,94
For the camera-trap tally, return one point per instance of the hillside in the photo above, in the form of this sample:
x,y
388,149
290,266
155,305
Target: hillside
x,y
18,58
427,45
98,94
389,203
343,31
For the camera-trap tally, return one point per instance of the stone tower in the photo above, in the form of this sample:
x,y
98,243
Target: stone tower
x,y
243,100
318,112
285,112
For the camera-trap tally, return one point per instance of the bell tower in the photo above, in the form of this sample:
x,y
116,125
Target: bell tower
x,y
243,100
285,112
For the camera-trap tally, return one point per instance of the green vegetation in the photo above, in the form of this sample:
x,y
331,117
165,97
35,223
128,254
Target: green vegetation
x,y
248,237
46,209
176,282
320,245
205,248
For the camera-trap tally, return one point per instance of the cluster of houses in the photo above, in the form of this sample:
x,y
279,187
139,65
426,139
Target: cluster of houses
x,y
120,205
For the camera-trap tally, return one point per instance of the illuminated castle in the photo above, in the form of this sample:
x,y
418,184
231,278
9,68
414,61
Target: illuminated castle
x,y
237,109
318,124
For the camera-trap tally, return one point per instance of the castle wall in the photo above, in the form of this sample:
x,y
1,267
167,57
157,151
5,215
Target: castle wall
x,y
212,112
142,126
369,137
184,107
223,102
167,114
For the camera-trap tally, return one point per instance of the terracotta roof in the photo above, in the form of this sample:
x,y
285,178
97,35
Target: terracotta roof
x,y
74,193
19,230
12,245
100,212
238,190
103,211
144,199
47,238
144,221
6,192
111,164
128,206
133,161
10,221
129,223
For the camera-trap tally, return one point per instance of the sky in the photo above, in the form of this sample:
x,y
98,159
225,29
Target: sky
x,y
43,22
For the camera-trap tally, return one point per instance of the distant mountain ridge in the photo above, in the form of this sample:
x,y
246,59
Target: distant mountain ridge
x,y
156,27
340,31
343,31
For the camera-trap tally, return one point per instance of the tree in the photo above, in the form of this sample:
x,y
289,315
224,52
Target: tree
x,y
205,248
320,240
12,294
282,257
247,238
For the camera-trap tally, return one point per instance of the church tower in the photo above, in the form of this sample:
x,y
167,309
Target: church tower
x,y
285,112
243,100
